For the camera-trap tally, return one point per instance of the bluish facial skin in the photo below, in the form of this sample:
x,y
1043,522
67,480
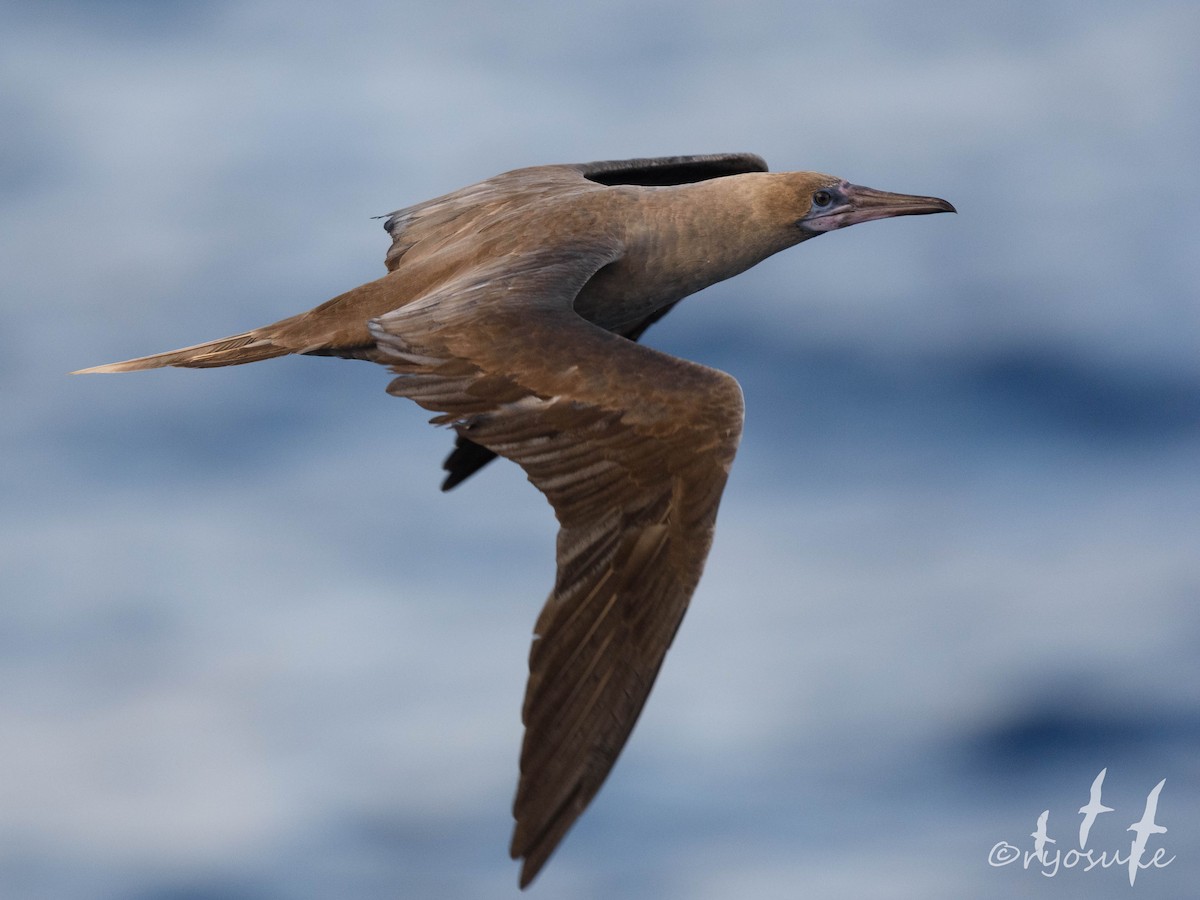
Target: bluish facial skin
x,y
841,204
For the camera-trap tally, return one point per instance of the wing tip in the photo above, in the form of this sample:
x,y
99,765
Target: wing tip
x,y
536,838
532,860
526,878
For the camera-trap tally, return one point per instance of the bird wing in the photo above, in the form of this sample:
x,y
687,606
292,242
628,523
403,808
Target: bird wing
x,y
632,448
478,207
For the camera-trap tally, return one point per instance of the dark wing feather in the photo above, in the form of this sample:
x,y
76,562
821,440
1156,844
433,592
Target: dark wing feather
x,y
665,170
464,460
632,448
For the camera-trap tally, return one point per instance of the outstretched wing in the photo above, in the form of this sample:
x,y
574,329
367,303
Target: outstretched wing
x,y
631,447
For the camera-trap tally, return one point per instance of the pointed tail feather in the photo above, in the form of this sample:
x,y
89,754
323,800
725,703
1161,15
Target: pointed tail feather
x,y
230,351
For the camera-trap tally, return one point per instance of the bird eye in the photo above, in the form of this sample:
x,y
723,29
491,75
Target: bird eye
x,y
822,198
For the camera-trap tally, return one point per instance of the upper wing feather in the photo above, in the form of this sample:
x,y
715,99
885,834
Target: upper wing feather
x,y
631,447
470,208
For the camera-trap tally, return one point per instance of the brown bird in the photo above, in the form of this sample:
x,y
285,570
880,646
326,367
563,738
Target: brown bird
x,y
512,309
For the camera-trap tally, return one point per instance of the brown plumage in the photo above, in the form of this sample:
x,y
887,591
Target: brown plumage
x,y
512,308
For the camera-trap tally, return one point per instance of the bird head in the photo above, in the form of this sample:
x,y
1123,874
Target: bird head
x,y
830,203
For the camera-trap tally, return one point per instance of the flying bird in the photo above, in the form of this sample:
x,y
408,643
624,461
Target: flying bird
x,y
512,309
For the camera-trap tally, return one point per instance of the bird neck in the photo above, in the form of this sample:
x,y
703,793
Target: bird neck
x,y
715,229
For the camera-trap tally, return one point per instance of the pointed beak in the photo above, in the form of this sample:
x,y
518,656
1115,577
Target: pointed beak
x,y
853,203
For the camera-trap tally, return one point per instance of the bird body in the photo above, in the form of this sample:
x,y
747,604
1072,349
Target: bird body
x,y
512,309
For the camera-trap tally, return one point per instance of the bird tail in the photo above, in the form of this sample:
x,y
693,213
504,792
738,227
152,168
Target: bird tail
x,y
231,351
